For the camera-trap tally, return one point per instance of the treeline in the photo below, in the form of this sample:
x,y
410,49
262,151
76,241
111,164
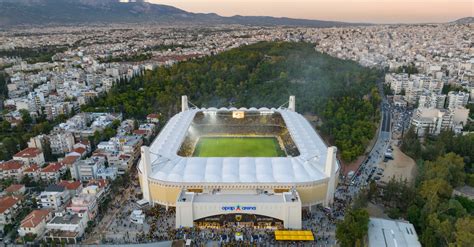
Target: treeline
x,y
14,139
3,87
165,47
436,146
445,162
341,92
34,55
409,69
126,58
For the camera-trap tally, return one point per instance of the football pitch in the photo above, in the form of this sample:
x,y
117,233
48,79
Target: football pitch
x,y
238,147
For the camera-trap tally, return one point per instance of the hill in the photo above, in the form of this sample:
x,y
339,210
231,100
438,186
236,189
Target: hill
x,y
465,20
341,92
42,12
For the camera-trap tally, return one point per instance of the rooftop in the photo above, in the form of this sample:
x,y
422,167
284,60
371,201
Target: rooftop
x,y
392,233
7,202
11,165
70,185
32,168
69,219
14,188
28,153
52,167
69,160
309,166
54,188
35,217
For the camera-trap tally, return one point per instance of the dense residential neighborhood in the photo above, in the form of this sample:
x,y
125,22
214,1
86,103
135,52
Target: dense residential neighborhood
x,y
62,164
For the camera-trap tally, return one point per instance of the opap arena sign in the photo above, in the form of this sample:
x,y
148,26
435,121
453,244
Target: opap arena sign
x,y
239,208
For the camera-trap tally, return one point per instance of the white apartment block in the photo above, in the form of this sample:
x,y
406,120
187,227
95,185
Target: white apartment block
x,y
414,86
85,170
431,100
456,99
433,121
54,196
66,226
61,143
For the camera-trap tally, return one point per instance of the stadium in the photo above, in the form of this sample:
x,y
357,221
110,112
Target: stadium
x,y
238,167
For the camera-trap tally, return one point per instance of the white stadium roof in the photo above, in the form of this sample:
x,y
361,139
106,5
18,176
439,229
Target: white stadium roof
x,y
168,166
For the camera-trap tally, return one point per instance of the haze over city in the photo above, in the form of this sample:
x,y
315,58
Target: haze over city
x,y
372,11
217,123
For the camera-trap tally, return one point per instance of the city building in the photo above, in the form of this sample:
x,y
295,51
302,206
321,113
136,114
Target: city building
x,y
431,100
67,227
61,142
52,172
16,190
12,169
84,202
54,196
30,156
85,170
32,172
35,223
390,233
9,208
457,99
433,121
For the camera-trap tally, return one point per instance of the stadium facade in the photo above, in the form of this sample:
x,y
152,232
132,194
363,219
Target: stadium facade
x,y
247,191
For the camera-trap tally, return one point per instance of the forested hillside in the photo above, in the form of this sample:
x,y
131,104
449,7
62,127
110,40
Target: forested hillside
x,y
341,92
445,162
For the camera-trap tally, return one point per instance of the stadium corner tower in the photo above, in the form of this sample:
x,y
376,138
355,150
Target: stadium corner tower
x,y
238,167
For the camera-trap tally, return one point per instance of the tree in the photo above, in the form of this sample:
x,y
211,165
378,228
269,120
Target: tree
x,y
353,229
449,167
402,92
342,93
25,117
464,234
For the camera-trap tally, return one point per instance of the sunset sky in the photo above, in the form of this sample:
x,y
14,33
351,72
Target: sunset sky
x,y
375,11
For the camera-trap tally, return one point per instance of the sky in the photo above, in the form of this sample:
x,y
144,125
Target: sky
x,y
373,11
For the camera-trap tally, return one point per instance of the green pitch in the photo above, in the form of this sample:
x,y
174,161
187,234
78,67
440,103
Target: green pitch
x,y
238,147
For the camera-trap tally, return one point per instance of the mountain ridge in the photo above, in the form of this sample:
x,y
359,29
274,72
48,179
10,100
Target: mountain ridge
x,y
41,12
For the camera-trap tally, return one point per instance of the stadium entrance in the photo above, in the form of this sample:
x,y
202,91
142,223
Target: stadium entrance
x,y
230,208
239,220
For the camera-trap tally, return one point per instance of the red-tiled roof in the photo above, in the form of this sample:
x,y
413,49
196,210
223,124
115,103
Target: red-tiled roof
x,y
99,153
140,132
69,160
85,142
7,202
34,218
153,115
70,185
11,165
79,150
99,182
52,167
32,168
14,188
28,153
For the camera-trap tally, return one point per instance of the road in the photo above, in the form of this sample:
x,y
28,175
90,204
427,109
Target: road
x,y
369,166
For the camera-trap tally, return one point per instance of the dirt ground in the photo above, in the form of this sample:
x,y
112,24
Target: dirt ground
x,y
401,166
376,211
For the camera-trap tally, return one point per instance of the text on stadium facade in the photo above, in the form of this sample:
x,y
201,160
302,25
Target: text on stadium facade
x,y
239,208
